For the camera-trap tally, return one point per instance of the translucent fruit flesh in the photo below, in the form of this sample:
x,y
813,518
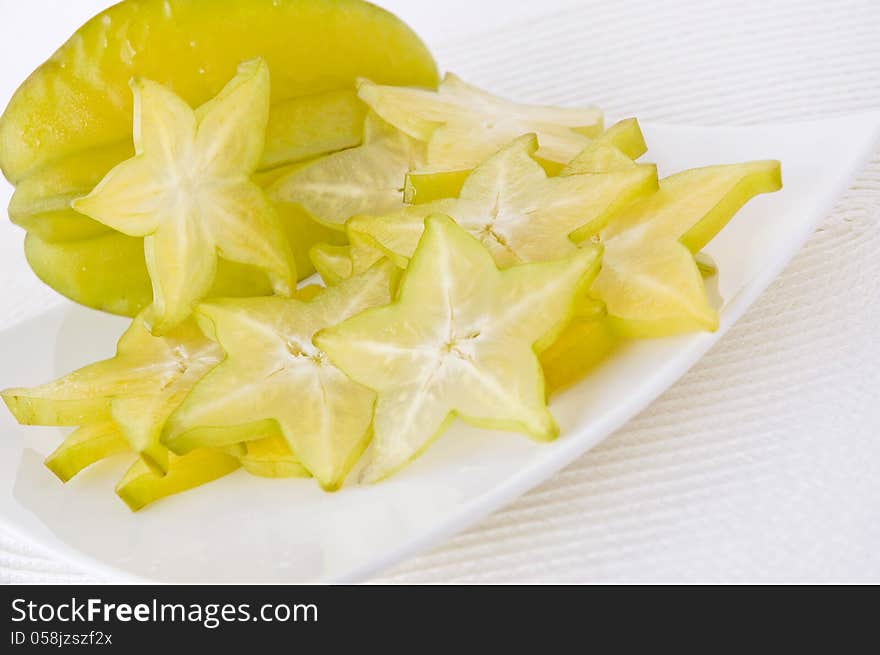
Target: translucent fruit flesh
x,y
510,204
271,457
463,125
623,138
363,180
460,338
141,485
84,447
137,389
79,99
337,263
584,343
71,121
79,270
269,357
649,281
188,192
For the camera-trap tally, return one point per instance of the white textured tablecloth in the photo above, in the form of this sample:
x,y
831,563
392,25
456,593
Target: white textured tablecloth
x,y
763,463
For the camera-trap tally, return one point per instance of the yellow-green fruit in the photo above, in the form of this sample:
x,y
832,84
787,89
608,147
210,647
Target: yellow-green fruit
x,y
85,446
79,99
71,121
141,485
583,344
109,273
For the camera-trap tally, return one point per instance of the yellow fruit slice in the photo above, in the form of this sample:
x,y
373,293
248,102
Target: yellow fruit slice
x,y
141,485
622,140
423,186
333,263
79,99
337,263
464,125
271,457
650,281
584,343
85,446
706,264
626,136
138,388
368,179
71,121
80,271
514,209
41,202
272,371
301,128
460,338
188,192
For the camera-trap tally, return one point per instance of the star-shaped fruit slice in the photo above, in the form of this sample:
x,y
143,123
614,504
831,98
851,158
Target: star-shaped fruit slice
x,y
141,485
137,389
650,282
188,191
337,263
274,372
271,457
514,208
460,339
463,125
367,179
85,446
624,139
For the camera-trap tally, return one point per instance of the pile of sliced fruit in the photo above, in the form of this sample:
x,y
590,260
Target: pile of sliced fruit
x,y
191,164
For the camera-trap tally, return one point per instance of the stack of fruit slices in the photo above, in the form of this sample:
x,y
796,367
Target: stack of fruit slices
x,y
475,254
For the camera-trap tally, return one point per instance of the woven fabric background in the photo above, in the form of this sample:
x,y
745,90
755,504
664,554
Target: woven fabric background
x,y
763,463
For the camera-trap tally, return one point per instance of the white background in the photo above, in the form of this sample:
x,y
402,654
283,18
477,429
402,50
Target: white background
x,y
763,463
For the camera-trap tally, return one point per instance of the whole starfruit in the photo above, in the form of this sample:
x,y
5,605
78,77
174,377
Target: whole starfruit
x,y
71,121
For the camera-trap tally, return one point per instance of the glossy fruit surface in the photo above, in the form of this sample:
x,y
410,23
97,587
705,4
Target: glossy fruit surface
x,y
364,180
85,446
584,343
71,121
269,357
79,270
141,485
271,457
649,281
458,340
189,193
513,208
79,98
462,125
622,140
137,389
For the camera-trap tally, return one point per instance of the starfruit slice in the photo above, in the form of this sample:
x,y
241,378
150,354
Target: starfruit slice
x,y
188,192
459,338
78,270
79,98
584,343
337,263
273,372
464,125
85,446
333,263
141,485
364,180
138,388
623,139
511,206
271,457
650,281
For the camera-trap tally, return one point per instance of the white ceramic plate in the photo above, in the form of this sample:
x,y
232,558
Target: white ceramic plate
x,y
245,529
